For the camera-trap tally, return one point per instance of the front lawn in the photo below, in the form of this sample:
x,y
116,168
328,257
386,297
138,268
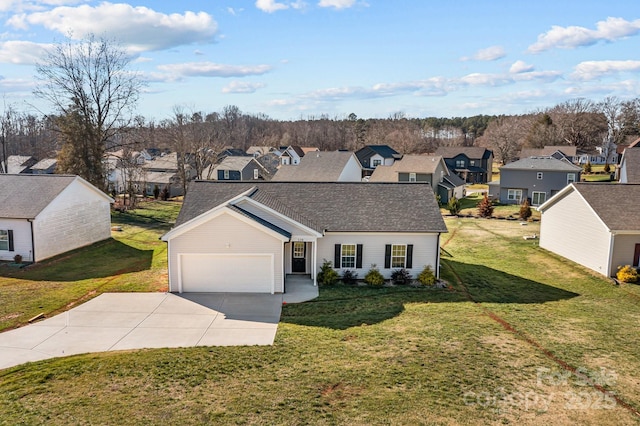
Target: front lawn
x,y
521,337
134,259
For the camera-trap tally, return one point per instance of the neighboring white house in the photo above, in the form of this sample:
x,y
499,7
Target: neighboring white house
x,y
629,169
248,236
322,166
45,215
594,224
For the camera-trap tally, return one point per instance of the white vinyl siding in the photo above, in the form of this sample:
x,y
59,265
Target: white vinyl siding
x,y
425,249
623,250
571,229
79,216
21,239
229,235
352,171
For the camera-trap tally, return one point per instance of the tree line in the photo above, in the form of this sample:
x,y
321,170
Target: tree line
x,y
93,98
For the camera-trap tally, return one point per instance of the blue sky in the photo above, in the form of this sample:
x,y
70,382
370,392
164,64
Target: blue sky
x,y
293,59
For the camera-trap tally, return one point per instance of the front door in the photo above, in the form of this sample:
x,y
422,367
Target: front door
x,y
636,256
298,261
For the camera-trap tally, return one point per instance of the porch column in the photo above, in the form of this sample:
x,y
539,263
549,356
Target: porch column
x,y
313,260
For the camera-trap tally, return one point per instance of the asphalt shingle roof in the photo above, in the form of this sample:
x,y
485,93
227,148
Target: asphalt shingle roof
x,y
330,206
615,203
542,163
408,164
25,196
315,167
632,164
472,152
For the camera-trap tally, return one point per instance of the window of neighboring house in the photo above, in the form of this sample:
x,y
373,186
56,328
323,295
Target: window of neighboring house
x,y
459,163
412,177
284,160
571,177
539,175
472,162
4,239
398,255
226,174
514,195
348,256
376,162
538,198
255,173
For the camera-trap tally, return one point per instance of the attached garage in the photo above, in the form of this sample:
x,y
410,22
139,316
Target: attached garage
x,y
226,273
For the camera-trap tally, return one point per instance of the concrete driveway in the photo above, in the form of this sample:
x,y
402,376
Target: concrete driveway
x,y
118,321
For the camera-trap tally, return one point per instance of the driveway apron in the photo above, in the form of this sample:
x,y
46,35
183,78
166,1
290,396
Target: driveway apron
x,y
120,321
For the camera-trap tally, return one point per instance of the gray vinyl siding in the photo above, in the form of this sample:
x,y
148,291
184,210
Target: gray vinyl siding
x,y
425,250
550,184
213,237
623,249
571,229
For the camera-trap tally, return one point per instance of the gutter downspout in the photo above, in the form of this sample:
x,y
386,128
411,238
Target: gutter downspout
x,y
33,244
438,258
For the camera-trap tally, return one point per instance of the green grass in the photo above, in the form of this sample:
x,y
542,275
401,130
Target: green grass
x,y
134,259
469,207
493,348
596,177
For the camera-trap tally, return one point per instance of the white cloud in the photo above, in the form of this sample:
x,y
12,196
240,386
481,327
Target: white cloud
x,y
16,85
242,87
492,80
22,52
337,4
270,6
210,69
573,36
140,28
489,54
520,66
590,70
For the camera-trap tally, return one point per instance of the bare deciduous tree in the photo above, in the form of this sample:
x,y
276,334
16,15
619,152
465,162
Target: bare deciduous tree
x,y
88,82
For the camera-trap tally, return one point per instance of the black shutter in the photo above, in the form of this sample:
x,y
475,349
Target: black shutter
x,y
387,256
359,256
10,232
336,257
409,264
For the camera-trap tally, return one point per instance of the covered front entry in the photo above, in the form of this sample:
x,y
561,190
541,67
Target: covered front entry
x,y
299,257
226,273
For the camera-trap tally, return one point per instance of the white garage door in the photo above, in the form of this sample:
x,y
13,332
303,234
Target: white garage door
x,y
208,273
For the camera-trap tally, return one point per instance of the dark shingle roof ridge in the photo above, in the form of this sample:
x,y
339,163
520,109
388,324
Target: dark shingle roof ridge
x,y
260,220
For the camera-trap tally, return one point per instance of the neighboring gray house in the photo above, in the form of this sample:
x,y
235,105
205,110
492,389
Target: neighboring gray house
x,y
629,171
45,167
240,168
162,172
422,168
535,178
472,163
372,156
594,224
44,215
557,151
322,166
248,236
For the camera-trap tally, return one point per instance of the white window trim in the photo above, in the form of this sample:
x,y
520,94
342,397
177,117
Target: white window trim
x,y
4,237
255,174
514,195
412,177
539,175
225,174
404,261
533,198
296,253
343,256
376,162
571,178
